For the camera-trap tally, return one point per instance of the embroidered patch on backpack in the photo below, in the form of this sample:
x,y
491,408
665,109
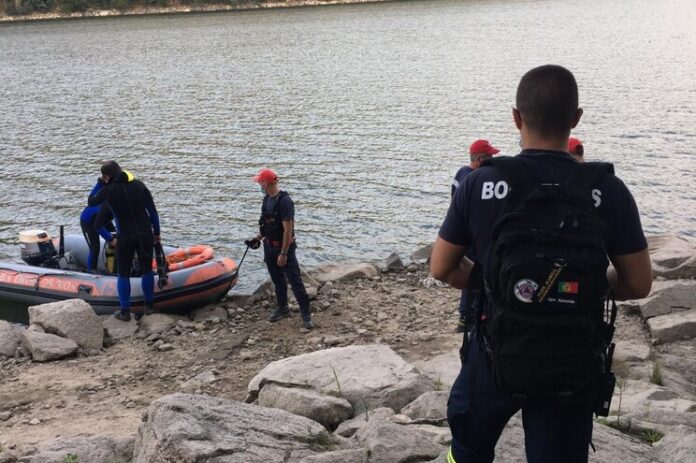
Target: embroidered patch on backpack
x,y
525,289
568,287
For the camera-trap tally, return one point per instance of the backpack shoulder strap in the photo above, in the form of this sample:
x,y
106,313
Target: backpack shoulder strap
x,y
518,178
583,178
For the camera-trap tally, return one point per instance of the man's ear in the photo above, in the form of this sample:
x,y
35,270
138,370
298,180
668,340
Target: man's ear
x,y
576,119
517,117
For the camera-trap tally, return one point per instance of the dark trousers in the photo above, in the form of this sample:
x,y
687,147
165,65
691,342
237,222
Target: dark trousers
x,y
554,431
462,305
92,238
281,275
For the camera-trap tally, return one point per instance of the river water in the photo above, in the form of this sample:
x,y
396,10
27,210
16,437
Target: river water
x,y
366,112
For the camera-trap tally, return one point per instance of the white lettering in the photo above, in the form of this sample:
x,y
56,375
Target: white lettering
x,y
487,190
501,190
597,197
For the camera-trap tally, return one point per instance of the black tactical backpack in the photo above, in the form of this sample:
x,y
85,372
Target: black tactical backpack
x,y
545,329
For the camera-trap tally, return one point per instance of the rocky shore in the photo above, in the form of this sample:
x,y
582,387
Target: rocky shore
x,y
178,9
369,384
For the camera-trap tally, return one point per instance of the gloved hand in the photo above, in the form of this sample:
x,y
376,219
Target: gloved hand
x,y
253,243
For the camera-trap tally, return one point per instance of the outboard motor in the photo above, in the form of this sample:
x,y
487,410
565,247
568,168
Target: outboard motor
x,y
37,248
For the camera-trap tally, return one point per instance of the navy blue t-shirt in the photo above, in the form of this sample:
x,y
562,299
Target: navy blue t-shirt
x,y
459,177
286,208
479,201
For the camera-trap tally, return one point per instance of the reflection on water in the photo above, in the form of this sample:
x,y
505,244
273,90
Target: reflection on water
x,y
366,111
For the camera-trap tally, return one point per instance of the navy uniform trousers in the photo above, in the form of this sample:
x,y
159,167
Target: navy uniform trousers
x,y
281,275
554,431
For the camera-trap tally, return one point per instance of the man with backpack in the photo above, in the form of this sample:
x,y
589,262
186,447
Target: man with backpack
x,y
277,232
543,228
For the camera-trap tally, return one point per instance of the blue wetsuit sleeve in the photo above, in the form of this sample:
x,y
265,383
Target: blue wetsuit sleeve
x,y
98,197
152,212
104,233
97,186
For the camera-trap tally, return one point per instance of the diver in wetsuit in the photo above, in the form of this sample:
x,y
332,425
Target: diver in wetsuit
x,y
138,227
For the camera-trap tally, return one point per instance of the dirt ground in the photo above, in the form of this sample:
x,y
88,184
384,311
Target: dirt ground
x,y
107,393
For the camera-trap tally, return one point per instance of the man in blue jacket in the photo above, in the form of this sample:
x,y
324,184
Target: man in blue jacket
x,y
92,234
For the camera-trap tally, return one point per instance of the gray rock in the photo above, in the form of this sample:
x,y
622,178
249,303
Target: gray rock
x,y
5,415
685,270
10,338
339,456
92,449
669,251
393,263
159,323
631,351
438,434
669,297
73,319
197,382
422,255
656,407
348,428
118,329
186,428
210,312
677,361
325,409
678,446
343,272
45,346
442,369
673,327
368,377
430,407
392,443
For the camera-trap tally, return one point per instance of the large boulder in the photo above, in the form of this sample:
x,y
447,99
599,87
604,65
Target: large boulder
x,y
677,361
159,322
393,443
667,297
73,319
343,272
678,446
673,327
392,263
349,427
430,407
422,255
92,449
10,338
443,369
45,346
186,428
325,409
669,251
367,376
118,329
649,406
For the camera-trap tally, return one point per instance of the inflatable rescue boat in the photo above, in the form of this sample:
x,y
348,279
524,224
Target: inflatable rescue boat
x,y
195,277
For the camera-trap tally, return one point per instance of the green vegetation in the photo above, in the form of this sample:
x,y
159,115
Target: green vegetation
x,y
320,440
338,383
24,7
656,376
71,458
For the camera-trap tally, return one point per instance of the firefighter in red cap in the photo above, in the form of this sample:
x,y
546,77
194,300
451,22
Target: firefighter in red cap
x,y
277,233
576,150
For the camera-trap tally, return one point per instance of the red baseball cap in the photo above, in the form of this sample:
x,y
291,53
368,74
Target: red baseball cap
x,y
483,147
265,175
573,144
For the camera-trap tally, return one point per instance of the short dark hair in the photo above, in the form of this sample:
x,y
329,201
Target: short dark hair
x,y
111,168
547,98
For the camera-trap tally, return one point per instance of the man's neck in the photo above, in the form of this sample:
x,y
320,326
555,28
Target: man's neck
x,y
532,141
273,191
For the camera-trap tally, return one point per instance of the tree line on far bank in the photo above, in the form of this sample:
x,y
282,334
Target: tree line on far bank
x,y
26,7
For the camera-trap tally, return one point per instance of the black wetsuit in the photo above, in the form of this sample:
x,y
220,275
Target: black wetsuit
x,y
136,220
